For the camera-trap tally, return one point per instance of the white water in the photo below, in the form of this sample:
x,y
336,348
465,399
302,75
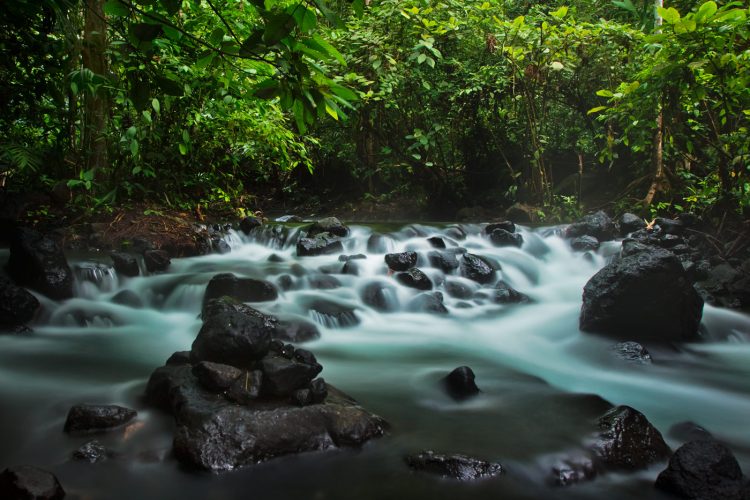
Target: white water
x,y
531,361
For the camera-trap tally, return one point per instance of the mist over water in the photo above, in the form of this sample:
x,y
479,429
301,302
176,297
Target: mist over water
x,y
539,375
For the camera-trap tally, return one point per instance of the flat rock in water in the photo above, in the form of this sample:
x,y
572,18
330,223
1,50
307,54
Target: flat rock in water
x,y
93,418
428,302
321,244
215,434
380,296
328,225
26,482
240,289
632,352
332,314
460,467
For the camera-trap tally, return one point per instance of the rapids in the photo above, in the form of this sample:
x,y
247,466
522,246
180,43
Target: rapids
x,y
538,373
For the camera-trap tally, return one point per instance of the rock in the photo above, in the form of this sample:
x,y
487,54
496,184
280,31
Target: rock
x,y
477,268
414,278
333,314
445,261
351,268
503,238
289,218
233,337
38,262
520,213
249,223
460,467
458,290
429,302
436,242
689,431
632,352
584,244
240,289
401,261
302,397
322,244
216,377
644,296
246,388
323,281
127,298
459,384
455,232
703,470
328,225
92,418
670,226
125,264
318,390
377,243
507,225
627,441
220,246
285,282
156,261
282,376
573,470
296,330
380,296
215,434
506,294
91,452
17,305
598,225
179,358
347,258
24,482
630,223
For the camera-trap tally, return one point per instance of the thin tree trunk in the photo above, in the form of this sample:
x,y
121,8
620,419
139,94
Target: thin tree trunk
x,y
96,105
658,155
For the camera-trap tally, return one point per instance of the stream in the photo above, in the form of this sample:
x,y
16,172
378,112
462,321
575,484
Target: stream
x,y
541,378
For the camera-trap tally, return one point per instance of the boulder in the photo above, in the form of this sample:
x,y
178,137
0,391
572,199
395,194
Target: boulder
x,y
506,294
17,305
93,418
321,244
584,244
332,314
125,264
156,261
328,225
460,467
521,213
26,482
219,245
91,452
670,226
598,225
233,337
688,431
401,261
507,225
632,352
702,470
477,268
459,384
629,223
216,377
240,289
503,238
428,302
216,434
282,376
38,262
380,296
414,278
246,388
436,242
643,296
445,261
249,223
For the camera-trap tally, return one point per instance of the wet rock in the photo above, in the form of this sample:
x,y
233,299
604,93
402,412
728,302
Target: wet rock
x,y
328,225
584,244
378,243
460,467
285,282
216,434
92,418
727,286
249,223
670,226
220,246
282,376
321,244
296,330
128,298
179,358
17,305
644,296
627,441
274,257
459,384
233,337
351,268
333,314
156,261
573,470
24,482
521,213
445,261
428,302
506,294
401,261
630,223
246,388
632,352
216,377
318,390
38,262
598,225
302,397
458,290
455,232
347,258
323,282
380,296
436,242
688,431
503,238
91,452
477,268
703,470
289,218
240,289
507,225
125,264
414,278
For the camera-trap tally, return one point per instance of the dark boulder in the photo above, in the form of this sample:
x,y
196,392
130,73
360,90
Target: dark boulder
x,y
233,338
328,225
351,267
670,226
460,467
401,261
91,452
630,223
380,296
688,431
216,434
644,296
282,376
627,441
503,238
332,314
584,244
17,305
321,244
598,225
477,268
506,294
246,388
93,418
296,330
216,377
125,264
458,290
249,223
38,262
25,482
436,242
429,302
459,384
507,225
318,390
414,278
703,470
455,232
445,261
156,261
632,352
240,289
179,358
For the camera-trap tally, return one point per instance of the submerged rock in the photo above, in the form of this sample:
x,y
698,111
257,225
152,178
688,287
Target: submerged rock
x,y
156,261
378,243
240,289
460,467
296,330
428,302
333,314
17,305
26,482
689,431
125,264
459,384
632,352
506,294
91,452
436,242
445,261
414,278
37,261
92,418
380,296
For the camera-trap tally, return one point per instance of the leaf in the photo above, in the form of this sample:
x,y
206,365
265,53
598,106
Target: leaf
x,y
430,62
267,89
344,93
560,13
358,6
155,104
420,59
216,37
557,66
116,8
669,15
183,149
298,110
604,93
278,27
145,32
309,21
134,147
596,110
706,12
627,5
171,6
684,26
204,61
329,49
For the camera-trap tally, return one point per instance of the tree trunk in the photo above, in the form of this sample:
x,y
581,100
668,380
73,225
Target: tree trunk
x,y
96,105
658,154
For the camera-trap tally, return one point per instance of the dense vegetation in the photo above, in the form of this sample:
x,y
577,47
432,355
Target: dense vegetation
x,y
450,103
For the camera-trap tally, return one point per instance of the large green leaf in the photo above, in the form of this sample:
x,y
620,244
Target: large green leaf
x,y
171,6
706,12
116,8
278,27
